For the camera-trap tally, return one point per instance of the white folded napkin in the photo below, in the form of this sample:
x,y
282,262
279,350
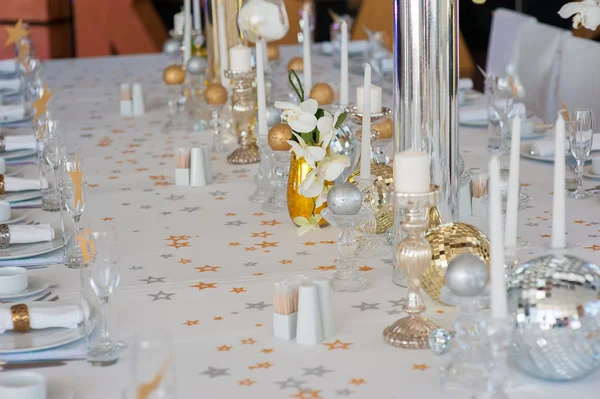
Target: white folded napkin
x,y
23,234
8,66
10,85
14,143
44,316
545,148
12,112
465,84
480,112
13,184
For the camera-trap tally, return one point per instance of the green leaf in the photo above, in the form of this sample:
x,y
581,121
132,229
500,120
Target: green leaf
x,y
341,120
308,138
299,90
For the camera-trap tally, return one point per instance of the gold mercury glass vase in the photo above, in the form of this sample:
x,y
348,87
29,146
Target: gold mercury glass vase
x,y
298,205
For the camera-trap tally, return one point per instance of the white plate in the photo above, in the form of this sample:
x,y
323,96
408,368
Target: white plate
x,y
19,251
17,154
472,95
19,196
16,215
37,340
526,153
589,172
35,286
12,171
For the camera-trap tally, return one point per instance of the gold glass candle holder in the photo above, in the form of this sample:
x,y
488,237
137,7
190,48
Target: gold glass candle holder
x,y
413,256
243,113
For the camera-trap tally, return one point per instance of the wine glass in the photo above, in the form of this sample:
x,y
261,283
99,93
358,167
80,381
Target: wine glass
x,y
101,250
53,151
580,134
500,104
73,188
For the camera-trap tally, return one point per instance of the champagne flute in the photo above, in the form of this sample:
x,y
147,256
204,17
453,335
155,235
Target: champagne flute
x,y
580,134
104,274
73,189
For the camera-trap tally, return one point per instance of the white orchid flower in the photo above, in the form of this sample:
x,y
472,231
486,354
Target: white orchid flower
x,y
306,225
326,125
585,13
332,166
322,198
312,154
301,118
312,185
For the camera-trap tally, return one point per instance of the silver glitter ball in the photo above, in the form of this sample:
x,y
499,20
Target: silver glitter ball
x,y
504,173
555,302
196,65
467,275
171,46
344,199
439,341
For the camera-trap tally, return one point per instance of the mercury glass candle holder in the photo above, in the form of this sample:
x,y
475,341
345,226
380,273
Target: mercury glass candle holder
x,y
378,146
413,256
346,276
370,244
243,112
277,200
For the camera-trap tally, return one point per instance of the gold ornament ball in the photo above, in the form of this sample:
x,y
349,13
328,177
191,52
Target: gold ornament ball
x,y
323,93
215,94
381,204
272,52
174,75
278,136
385,129
447,242
296,64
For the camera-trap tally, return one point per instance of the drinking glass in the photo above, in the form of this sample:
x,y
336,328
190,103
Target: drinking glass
x,y
101,250
500,104
73,188
152,362
580,134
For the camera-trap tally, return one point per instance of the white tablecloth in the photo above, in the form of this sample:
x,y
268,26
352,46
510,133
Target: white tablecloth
x,y
200,263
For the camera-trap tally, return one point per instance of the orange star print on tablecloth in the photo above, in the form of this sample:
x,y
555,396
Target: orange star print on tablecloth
x,y
258,214
184,261
421,367
190,323
234,244
224,348
238,290
247,382
286,261
337,344
217,318
267,350
365,268
248,341
262,234
593,247
307,395
107,219
309,243
265,365
325,268
202,286
207,268
230,214
269,222
177,244
357,381
579,221
266,244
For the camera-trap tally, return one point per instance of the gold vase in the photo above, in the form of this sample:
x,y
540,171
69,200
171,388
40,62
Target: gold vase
x,y
299,205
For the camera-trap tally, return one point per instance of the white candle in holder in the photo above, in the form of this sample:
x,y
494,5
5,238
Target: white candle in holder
x,y
558,199
512,203
223,53
307,83
498,284
187,32
411,172
375,105
197,19
240,58
344,66
365,145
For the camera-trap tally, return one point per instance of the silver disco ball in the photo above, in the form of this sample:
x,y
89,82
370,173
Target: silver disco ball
x,y
555,300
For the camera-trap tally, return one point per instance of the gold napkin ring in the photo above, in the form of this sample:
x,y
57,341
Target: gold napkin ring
x,y
20,318
1,184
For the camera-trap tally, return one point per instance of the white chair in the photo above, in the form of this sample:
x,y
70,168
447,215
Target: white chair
x,y
578,83
503,38
536,65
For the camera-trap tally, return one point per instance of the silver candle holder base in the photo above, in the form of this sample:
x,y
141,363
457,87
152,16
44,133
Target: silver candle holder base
x,y
378,145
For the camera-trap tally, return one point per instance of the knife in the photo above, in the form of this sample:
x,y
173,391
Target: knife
x,y
30,365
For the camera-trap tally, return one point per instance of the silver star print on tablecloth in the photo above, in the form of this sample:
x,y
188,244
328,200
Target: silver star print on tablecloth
x,y
236,223
290,383
145,207
213,372
161,295
173,197
319,371
344,392
242,170
165,256
218,193
258,305
136,267
165,213
395,311
189,209
388,261
302,253
366,306
250,264
399,302
151,280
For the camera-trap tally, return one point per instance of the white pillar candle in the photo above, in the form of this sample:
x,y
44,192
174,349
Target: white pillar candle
x,y
558,200
240,58
365,145
187,32
411,172
223,52
197,19
178,22
307,83
375,104
498,285
260,88
512,204
344,66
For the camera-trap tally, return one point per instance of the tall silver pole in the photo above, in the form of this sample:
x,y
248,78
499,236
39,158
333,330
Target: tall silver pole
x,y
425,92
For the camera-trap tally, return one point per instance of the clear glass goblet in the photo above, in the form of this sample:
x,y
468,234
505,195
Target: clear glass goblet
x,y
580,134
500,94
73,187
104,275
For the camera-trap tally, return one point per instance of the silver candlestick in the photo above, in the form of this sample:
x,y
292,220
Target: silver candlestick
x,y
243,112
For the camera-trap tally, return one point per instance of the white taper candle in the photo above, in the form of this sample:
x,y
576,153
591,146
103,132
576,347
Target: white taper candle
x,y
344,65
498,285
260,89
512,204
197,19
223,50
365,147
307,83
558,200
187,32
